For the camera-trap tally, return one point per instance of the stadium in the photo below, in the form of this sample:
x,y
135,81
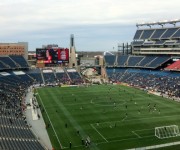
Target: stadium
x,y
62,99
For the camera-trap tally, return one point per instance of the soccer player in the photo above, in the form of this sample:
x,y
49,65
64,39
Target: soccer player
x,y
139,111
82,141
70,145
77,132
159,111
126,115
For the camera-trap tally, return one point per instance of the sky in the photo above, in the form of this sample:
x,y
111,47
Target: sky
x,y
97,25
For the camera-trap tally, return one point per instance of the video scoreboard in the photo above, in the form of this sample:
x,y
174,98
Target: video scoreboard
x,y
52,55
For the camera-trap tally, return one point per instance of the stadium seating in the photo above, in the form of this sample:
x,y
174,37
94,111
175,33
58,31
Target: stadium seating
x,y
157,34
158,61
61,76
174,66
148,43
137,43
121,60
169,33
20,61
134,60
12,62
159,42
110,60
177,34
8,62
15,133
138,34
74,76
49,77
146,34
36,75
2,66
158,81
141,61
146,60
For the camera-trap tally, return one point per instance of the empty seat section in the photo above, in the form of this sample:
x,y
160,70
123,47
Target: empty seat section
x,y
137,34
7,61
110,60
158,33
20,61
121,60
169,33
134,60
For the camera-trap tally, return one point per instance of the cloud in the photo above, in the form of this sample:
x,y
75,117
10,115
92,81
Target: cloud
x,y
48,19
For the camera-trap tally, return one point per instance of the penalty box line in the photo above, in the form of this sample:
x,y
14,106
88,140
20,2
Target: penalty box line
x,y
99,132
136,119
135,132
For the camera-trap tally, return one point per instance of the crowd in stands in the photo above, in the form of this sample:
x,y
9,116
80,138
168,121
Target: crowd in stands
x,y
174,66
15,132
158,81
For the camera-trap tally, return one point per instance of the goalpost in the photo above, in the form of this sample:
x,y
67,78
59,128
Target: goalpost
x,y
167,131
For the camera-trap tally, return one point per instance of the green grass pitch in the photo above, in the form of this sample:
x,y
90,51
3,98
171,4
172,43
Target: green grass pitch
x,y
111,116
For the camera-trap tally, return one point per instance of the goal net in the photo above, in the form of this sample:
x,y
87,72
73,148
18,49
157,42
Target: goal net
x,y
167,131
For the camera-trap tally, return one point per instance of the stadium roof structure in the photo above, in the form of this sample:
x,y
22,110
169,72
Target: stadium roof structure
x,y
161,23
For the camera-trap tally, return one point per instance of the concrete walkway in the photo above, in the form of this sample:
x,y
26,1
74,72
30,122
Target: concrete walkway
x,y
37,126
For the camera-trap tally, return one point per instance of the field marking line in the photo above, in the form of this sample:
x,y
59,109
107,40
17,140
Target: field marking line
x,y
125,119
144,129
113,141
136,134
99,133
51,122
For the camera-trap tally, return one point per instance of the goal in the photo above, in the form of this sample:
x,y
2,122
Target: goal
x,y
167,131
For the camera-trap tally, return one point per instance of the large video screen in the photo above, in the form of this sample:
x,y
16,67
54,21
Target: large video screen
x,y
54,56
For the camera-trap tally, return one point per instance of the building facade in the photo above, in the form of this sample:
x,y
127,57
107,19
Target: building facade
x,y
20,48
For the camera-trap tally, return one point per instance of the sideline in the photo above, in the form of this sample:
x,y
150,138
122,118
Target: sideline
x,y
51,122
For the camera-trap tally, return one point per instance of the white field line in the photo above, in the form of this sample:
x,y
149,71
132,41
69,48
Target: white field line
x,y
98,143
136,134
156,146
138,119
99,133
144,130
51,123
113,141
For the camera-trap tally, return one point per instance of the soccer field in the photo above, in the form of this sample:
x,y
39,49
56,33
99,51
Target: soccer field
x,y
111,117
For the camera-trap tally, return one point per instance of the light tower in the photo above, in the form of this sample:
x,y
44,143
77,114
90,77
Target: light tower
x,y
72,59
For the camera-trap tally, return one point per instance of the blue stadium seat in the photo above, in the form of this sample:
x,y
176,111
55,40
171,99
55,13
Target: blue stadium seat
x,y
169,33
20,61
177,34
146,60
147,34
121,60
134,60
8,62
138,34
158,33
158,61
110,60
